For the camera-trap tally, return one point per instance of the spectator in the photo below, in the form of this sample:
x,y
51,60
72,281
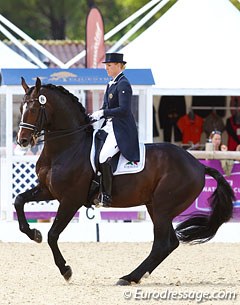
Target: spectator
x,y
216,139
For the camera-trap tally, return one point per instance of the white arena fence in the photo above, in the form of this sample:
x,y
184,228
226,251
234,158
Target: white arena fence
x,y
130,224
23,177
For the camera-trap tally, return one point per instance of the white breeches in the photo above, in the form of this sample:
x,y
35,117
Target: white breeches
x,y
110,147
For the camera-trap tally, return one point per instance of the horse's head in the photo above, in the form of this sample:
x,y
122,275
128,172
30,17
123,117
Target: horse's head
x,y
48,108
33,114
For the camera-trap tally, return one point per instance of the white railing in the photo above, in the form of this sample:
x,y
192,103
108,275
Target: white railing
x,y
215,155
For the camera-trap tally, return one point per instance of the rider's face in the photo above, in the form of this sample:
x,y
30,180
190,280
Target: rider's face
x,y
113,69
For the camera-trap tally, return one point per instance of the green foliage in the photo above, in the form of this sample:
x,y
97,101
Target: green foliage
x,y
236,3
47,19
65,19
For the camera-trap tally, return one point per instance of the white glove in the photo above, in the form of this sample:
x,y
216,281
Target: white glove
x,y
96,115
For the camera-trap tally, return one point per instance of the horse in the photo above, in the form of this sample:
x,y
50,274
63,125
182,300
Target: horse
x,y
169,183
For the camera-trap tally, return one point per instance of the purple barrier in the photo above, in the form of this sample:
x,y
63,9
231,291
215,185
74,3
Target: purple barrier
x,y
201,203
118,215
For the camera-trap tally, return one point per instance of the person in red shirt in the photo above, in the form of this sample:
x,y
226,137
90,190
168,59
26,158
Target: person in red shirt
x,y
233,130
191,126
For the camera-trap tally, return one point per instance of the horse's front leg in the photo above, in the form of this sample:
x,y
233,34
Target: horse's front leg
x,y
35,194
64,215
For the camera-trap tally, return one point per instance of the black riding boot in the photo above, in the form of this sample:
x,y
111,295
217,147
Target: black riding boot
x,y
105,198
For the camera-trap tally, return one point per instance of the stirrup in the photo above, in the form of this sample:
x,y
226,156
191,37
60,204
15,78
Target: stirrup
x,y
103,200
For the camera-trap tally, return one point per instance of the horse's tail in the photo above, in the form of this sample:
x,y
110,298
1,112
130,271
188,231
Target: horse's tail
x,y
202,227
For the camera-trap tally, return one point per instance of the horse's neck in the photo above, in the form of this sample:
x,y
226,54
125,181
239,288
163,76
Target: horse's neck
x,y
70,157
68,145
66,115
66,121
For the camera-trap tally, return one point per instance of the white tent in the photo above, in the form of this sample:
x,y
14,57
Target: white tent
x,y
192,49
10,59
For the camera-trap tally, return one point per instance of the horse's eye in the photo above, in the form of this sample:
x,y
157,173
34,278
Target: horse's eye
x,y
33,110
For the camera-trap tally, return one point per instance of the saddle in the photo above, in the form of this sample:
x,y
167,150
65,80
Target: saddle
x,y
120,165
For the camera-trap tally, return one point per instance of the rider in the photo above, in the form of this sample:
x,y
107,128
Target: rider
x,y
119,123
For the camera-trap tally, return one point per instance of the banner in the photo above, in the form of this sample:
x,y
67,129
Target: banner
x,y
95,48
200,205
95,53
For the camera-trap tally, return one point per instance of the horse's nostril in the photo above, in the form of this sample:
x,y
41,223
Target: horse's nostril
x,y
23,142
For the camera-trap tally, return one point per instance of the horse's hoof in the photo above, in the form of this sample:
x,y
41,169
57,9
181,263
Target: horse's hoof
x,y
68,274
37,236
122,282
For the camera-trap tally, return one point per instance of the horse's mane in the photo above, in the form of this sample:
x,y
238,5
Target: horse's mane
x,y
66,92
73,97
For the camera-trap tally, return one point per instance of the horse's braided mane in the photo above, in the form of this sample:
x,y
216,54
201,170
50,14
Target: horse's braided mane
x,y
65,91
73,98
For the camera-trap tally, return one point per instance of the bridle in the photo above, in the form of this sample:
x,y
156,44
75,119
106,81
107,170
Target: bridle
x,y
41,119
38,128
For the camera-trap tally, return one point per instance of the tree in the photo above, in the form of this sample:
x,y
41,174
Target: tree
x,y
46,19
65,19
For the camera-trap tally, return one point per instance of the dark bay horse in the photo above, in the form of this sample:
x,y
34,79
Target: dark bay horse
x,y
170,181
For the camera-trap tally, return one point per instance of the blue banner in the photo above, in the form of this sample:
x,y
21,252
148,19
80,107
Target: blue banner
x,y
74,76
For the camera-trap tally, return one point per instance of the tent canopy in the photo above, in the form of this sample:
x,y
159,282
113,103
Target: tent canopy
x,y
192,49
10,59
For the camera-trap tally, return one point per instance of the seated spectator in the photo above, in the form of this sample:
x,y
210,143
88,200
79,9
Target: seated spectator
x,y
216,139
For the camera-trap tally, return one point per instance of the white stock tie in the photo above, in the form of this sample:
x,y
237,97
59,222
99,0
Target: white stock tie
x,y
111,83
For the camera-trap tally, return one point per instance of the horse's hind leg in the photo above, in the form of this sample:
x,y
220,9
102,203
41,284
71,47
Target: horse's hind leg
x,y
165,241
35,194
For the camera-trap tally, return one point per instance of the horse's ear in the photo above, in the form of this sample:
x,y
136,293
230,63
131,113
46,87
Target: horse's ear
x,y
38,85
24,85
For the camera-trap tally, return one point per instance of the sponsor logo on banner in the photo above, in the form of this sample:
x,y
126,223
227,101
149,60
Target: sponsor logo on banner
x,y
201,203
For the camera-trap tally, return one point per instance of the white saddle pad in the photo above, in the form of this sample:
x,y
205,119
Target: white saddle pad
x,y
124,166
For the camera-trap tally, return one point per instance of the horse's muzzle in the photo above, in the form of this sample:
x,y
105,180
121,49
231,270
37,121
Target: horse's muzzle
x,y
23,142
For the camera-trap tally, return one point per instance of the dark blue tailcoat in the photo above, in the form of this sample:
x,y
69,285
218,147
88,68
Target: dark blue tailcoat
x,y
117,105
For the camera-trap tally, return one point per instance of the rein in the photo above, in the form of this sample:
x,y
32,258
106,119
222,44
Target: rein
x,y
62,133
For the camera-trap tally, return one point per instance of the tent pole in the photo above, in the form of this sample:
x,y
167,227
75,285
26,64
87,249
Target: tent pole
x,y
138,26
130,19
22,47
31,41
74,59
114,30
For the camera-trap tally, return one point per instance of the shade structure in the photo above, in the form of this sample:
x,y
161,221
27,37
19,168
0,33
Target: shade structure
x,y
192,48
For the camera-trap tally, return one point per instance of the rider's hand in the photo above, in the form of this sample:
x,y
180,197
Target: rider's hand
x,y
97,115
224,147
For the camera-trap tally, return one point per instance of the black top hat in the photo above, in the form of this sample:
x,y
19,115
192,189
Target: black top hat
x,y
114,57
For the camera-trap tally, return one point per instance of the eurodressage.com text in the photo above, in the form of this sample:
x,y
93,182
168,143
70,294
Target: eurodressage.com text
x,y
198,297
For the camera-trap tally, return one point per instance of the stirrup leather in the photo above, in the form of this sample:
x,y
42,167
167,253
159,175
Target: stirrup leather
x,y
103,200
